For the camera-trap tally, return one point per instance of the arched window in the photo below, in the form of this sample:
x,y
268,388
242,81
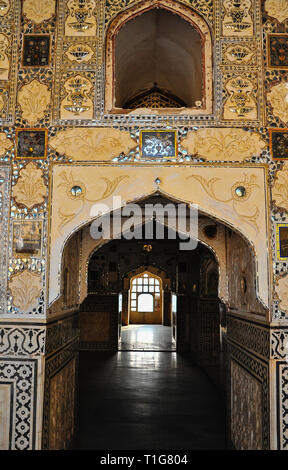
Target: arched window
x,y
159,56
145,293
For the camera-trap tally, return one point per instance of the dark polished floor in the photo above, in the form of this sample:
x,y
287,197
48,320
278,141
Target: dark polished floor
x,y
147,400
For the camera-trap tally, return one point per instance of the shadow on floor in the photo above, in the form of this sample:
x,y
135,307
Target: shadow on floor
x,y
147,400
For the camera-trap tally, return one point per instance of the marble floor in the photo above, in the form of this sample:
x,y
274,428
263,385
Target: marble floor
x,y
147,400
146,338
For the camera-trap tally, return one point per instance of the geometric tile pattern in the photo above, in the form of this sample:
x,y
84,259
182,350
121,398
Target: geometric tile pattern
x,y
22,375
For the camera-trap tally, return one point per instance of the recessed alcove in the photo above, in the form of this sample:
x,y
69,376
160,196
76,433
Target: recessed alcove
x,y
159,60
158,50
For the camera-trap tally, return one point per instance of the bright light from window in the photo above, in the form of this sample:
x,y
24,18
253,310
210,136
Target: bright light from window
x,y
145,303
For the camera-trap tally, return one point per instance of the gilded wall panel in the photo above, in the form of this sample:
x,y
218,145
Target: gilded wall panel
x,y
223,144
26,289
38,11
92,144
5,57
80,20
280,188
281,289
33,99
30,189
278,97
237,19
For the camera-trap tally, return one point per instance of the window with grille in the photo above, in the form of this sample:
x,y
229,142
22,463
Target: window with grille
x,y
145,293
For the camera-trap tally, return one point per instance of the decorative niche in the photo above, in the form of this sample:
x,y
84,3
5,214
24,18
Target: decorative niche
x,y
158,60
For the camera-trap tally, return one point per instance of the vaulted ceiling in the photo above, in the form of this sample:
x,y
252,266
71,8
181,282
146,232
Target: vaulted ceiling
x,y
158,48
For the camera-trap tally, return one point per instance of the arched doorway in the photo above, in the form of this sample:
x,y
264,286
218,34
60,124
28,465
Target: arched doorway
x,y
115,265
145,299
201,324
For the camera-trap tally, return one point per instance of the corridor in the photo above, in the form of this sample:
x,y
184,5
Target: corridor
x,y
147,400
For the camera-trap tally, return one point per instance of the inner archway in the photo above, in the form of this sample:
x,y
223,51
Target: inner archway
x,y
179,284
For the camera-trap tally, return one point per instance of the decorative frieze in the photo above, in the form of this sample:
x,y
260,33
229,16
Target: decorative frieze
x,y
61,333
223,144
92,144
279,343
251,336
21,341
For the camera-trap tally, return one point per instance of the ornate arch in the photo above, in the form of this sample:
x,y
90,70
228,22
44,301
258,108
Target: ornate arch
x,y
218,201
